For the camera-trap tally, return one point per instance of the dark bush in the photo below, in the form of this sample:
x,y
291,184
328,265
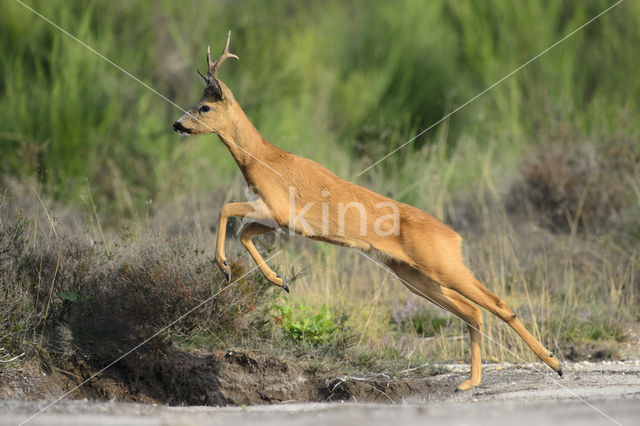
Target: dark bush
x,y
577,186
67,293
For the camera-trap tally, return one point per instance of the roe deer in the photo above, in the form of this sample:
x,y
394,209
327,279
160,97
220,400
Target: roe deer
x,y
300,195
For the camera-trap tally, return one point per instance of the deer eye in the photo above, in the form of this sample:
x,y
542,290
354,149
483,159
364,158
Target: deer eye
x,y
204,108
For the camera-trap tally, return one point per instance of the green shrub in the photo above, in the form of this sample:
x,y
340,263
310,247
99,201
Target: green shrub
x,y
301,324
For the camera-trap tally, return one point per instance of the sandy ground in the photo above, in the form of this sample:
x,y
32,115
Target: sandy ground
x,y
590,394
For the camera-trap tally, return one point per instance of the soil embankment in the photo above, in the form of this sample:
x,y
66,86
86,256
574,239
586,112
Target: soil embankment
x,y
243,378
605,392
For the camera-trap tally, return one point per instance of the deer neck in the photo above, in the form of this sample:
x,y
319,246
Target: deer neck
x,y
245,143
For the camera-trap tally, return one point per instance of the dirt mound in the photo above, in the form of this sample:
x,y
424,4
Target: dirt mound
x,y
219,378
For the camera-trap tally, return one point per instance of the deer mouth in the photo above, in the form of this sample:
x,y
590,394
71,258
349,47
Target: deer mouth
x,y
178,127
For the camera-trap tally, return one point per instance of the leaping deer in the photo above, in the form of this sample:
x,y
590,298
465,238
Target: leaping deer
x,y
300,195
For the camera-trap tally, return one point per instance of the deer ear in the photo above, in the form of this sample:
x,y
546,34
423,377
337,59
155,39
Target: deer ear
x,y
213,89
204,79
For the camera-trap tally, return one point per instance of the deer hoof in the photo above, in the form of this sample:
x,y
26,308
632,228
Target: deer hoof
x,y
227,274
466,385
285,287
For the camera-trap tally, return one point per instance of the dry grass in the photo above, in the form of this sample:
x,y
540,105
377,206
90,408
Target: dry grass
x,y
560,245
569,288
555,283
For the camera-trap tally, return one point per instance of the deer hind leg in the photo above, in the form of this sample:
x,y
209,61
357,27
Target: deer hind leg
x,y
464,283
450,300
441,261
248,232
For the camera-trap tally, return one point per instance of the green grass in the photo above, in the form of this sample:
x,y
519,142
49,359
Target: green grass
x,y
339,84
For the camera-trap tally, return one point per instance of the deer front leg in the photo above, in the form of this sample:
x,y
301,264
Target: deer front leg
x,y
230,209
248,232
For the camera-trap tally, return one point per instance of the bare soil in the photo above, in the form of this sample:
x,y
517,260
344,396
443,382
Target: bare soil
x,y
592,393
155,388
225,378
219,378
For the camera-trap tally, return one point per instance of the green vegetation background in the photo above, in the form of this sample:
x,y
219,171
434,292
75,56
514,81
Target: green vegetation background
x,y
339,82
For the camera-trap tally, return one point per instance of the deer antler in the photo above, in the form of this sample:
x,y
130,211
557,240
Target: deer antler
x,y
211,80
215,66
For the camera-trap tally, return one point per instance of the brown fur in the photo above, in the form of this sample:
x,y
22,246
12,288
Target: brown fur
x,y
425,253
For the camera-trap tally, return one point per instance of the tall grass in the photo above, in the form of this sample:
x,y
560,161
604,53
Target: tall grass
x,y
66,285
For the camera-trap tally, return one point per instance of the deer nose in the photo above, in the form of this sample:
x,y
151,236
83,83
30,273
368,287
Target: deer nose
x,y
178,127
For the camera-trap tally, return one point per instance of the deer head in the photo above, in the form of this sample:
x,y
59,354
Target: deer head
x,y
213,112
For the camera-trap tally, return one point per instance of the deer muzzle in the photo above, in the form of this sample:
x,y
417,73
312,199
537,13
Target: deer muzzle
x,y
178,127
